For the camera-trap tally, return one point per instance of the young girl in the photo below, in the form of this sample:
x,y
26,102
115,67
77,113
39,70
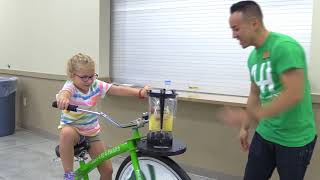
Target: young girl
x,y
83,89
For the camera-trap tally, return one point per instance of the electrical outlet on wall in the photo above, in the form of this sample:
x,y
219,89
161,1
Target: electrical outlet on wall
x,y
24,99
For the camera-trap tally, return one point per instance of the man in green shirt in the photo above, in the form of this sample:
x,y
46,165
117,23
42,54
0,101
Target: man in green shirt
x,y
279,99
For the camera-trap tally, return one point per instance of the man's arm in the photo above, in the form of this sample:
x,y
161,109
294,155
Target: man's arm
x,y
252,102
292,93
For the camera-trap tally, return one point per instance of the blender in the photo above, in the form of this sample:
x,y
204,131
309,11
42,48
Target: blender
x,y
162,110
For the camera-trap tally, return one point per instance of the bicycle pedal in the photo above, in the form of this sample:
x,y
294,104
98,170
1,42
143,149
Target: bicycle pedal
x,y
79,150
77,159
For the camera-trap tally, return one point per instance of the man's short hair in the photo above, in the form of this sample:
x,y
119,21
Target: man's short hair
x,y
248,8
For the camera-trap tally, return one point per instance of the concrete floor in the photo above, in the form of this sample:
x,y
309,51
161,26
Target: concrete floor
x,y
27,155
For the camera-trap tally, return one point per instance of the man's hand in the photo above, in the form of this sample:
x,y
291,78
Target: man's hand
x,y
243,136
237,117
233,116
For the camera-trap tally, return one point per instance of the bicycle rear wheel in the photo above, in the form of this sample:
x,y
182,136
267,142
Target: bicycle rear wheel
x,y
153,168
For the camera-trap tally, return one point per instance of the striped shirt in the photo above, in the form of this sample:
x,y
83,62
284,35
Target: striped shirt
x,y
86,124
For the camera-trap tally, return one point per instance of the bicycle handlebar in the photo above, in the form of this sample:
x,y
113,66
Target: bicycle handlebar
x,y
135,123
69,108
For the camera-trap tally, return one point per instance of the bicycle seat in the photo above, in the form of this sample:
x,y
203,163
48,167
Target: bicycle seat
x,y
79,150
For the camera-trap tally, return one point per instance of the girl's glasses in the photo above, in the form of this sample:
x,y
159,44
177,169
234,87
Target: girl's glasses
x,y
87,78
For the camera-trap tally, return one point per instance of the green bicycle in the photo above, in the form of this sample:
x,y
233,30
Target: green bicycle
x,y
143,163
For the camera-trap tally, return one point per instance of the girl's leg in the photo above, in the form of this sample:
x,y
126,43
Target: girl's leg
x,y
105,169
69,137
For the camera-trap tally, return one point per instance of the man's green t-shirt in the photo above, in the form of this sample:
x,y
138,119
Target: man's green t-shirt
x,y
279,53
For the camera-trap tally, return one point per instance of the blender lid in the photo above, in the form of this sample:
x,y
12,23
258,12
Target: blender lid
x,y
157,93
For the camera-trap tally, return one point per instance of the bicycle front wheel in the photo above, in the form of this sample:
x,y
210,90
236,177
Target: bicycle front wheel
x,y
152,168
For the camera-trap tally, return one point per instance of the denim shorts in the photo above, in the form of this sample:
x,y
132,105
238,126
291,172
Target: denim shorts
x,y
89,138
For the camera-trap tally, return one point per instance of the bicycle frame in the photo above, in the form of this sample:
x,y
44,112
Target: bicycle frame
x,y
128,146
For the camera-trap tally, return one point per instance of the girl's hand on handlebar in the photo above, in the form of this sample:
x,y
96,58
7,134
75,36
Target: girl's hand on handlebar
x,y
63,103
63,100
143,92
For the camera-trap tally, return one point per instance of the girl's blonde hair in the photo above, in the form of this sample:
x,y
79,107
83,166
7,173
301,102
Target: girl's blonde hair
x,y
77,61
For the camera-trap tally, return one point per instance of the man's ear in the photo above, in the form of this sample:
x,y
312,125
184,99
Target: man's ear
x,y
255,23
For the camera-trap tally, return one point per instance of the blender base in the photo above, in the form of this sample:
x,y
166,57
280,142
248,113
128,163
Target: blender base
x,y
177,148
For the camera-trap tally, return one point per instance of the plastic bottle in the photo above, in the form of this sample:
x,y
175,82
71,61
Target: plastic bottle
x,y
167,84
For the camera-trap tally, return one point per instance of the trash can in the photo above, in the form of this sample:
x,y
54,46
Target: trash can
x,y
8,87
